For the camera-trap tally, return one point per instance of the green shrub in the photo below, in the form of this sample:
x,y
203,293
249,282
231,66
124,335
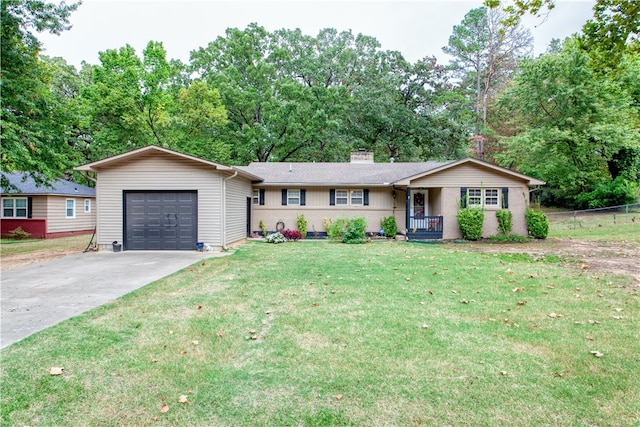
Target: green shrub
x,y
356,231
470,221
336,229
505,218
275,238
263,228
612,193
537,223
389,226
19,233
302,225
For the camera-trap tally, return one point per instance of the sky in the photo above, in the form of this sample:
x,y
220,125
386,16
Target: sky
x,y
416,28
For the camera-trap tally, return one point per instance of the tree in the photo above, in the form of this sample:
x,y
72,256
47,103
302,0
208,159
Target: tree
x,y
486,52
29,135
574,124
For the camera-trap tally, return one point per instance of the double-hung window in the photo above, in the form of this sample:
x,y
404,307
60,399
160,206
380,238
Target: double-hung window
x,y
256,197
483,197
293,197
14,207
87,205
342,197
70,208
357,198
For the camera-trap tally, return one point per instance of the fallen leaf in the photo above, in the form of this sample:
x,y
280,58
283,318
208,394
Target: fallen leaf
x,y
597,353
503,373
618,309
593,321
464,301
585,267
339,397
589,337
164,409
618,317
522,302
430,292
199,307
315,304
220,334
558,374
182,399
195,342
154,360
408,279
555,315
267,312
56,370
183,352
425,326
252,331
509,271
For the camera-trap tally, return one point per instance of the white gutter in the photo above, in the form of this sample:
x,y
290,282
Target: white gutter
x,y
224,208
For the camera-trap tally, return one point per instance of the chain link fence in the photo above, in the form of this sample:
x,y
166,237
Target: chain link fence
x,y
590,218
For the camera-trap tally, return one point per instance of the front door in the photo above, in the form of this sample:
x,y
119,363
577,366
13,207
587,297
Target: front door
x,y
419,208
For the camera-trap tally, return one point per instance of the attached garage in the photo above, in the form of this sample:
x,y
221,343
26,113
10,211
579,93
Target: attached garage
x,y
160,220
158,199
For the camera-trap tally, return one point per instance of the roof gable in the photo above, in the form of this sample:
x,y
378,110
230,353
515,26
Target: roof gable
x,y
141,152
475,162
26,185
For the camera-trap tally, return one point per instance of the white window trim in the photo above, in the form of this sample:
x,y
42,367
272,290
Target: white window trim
x,y
291,196
66,208
483,197
361,197
87,205
14,208
255,198
344,200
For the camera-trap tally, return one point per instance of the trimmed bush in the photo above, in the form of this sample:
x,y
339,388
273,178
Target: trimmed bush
x,y
275,238
356,231
292,235
505,218
19,233
470,221
263,228
389,226
302,226
537,223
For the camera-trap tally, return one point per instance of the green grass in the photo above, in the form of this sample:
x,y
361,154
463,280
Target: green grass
x,y
314,333
14,247
596,226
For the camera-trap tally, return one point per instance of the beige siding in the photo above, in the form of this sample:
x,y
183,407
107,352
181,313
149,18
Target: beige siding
x,y
517,205
237,191
159,171
39,207
57,221
317,209
467,175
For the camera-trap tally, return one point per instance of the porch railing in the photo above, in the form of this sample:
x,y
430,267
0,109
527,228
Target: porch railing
x,y
425,227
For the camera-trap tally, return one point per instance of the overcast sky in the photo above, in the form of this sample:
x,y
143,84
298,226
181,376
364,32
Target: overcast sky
x,y
416,28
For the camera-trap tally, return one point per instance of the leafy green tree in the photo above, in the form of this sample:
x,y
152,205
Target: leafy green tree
x,y
573,123
29,134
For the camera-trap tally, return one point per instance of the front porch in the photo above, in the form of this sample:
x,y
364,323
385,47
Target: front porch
x,y
421,204
425,227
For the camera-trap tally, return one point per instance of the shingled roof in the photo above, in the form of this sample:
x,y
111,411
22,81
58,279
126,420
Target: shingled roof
x,y
25,185
330,174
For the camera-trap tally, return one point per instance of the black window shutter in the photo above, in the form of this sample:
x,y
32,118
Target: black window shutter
x,y
365,197
261,201
332,197
463,197
284,197
505,197
303,197
29,207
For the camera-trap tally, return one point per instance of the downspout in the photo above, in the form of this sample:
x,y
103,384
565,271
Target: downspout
x,y
224,209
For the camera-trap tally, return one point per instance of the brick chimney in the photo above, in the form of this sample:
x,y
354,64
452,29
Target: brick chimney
x,y
362,156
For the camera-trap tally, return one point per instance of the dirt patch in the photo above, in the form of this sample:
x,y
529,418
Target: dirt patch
x,y
19,260
620,258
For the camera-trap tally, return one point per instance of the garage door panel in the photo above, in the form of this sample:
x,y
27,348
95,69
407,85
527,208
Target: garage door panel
x,y
161,220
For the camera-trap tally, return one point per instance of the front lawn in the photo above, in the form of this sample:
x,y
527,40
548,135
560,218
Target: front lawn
x,y
315,333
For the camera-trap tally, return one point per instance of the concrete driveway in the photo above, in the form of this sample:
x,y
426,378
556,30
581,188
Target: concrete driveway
x,y
40,295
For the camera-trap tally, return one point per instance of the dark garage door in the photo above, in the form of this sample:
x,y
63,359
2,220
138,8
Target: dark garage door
x,y
160,220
